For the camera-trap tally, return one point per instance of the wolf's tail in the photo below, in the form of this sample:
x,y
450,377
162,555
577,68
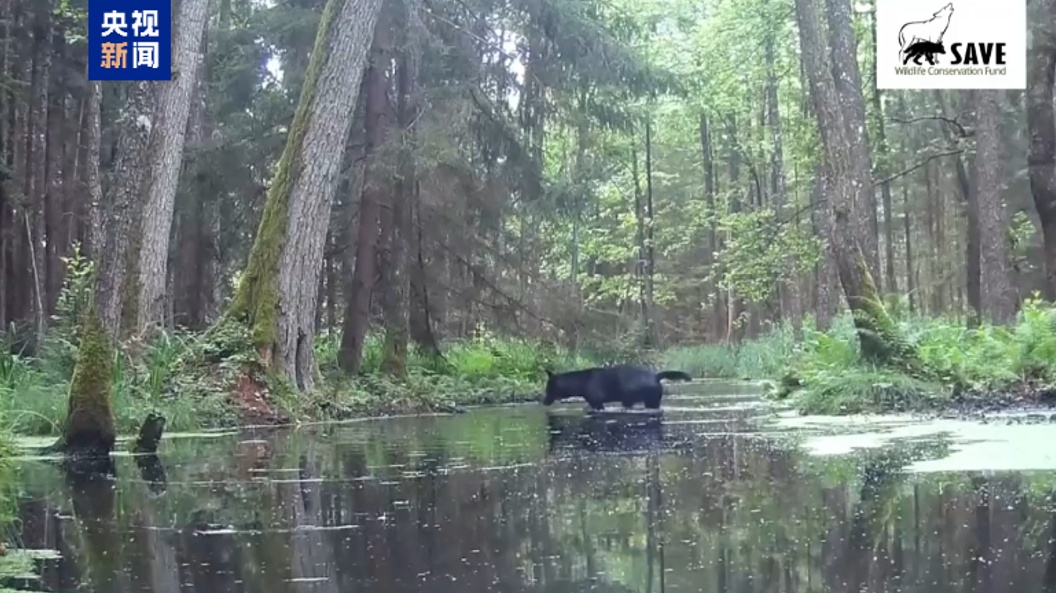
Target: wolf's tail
x,y
673,375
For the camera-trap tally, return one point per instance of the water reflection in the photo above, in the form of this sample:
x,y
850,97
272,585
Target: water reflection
x,y
525,501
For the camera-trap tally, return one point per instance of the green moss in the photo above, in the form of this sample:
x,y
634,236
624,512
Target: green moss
x,y
256,300
880,339
89,415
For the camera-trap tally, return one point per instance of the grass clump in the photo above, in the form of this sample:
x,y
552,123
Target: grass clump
x,y
763,358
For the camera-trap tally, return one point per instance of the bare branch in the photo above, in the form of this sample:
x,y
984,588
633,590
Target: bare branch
x,y
952,122
919,165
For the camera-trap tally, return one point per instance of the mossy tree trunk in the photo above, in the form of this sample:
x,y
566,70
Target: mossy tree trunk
x,y
845,199
276,297
89,428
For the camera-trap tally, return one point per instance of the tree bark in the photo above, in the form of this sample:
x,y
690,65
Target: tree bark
x,y
167,147
882,166
998,296
395,257
846,205
36,167
357,305
277,295
134,125
96,239
788,288
848,82
1042,126
707,150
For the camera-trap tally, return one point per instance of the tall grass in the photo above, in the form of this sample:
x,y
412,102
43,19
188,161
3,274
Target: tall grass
x,y
763,358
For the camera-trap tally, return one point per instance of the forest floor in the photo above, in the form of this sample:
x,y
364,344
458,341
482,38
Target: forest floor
x,y
966,372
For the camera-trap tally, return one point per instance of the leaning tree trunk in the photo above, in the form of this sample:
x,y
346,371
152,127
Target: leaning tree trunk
x,y
1042,125
173,109
277,295
845,201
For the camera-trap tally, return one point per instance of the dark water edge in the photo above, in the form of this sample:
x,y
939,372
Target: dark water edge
x,y
518,499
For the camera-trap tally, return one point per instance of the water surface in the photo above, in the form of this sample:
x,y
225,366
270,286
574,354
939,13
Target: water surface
x,y
720,494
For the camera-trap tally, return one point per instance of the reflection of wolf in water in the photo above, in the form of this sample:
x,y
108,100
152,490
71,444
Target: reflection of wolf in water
x,y
923,49
620,433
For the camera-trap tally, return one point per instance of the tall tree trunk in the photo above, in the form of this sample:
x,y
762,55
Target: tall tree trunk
x,y
122,205
911,286
639,219
57,139
421,319
36,168
967,195
846,201
787,290
277,294
883,160
1042,125
357,305
848,82
650,245
998,291
737,201
96,239
166,154
395,256
827,297
707,150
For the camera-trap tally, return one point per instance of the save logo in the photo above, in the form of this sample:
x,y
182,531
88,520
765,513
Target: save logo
x,y
962,44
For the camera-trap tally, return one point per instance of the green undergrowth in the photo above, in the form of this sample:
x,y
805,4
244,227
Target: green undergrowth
x,y
763,358
991,363
486,369
188,378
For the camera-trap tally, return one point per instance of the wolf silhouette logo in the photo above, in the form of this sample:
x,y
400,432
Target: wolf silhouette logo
x,y
923,39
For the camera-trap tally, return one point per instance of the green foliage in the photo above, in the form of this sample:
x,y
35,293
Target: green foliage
x,y
77,290
989,359
486,369
760,252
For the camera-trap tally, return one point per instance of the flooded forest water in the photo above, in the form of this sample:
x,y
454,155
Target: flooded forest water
x,y
717,496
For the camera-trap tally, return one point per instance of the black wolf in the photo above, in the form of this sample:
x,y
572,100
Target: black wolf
x,y
923,49
626,384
